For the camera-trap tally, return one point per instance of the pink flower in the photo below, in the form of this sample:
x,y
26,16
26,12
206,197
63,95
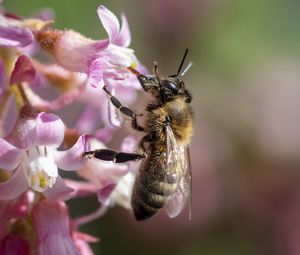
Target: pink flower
x,y
17,32
104,59
13,35
113,181
52,226
30,155
13,245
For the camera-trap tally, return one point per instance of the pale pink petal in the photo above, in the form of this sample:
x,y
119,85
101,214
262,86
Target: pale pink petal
x,y
71,159
83,247
85,237
19,208
12,36
105,65
23,70
109,22
15,185
49,130
52,227
2,77
81,188
75,52
14,245
10,116
124,38
10,156
24,134
59,191
121,57
104,193
95,73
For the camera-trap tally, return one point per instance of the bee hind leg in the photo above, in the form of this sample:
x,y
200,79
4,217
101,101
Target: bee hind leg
x,y
124,110
110,155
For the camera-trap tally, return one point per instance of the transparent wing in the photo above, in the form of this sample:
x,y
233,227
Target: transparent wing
x,y
178,173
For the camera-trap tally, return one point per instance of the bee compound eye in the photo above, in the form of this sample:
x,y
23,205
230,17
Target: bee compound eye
x,y
171,86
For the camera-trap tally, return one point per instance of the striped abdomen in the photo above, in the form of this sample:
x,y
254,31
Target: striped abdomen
x,y
151,188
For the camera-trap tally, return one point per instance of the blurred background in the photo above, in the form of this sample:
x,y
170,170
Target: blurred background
x,y
245,83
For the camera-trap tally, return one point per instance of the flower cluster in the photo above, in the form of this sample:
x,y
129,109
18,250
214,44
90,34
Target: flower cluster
x,y
36,144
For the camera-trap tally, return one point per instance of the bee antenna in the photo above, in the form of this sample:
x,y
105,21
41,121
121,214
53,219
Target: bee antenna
x,y
182,61
186,69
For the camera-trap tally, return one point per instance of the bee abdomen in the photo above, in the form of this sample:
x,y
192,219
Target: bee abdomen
x,y
149,195
145,204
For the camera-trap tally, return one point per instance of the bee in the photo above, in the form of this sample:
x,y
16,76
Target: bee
x,y
165,176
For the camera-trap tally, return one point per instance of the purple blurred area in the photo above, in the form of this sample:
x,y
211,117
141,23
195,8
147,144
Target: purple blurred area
x,y
245,151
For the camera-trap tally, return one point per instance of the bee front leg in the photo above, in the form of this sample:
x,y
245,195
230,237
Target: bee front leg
x,y
114,156
124,109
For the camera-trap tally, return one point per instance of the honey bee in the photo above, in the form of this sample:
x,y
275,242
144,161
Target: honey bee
x,y
165,176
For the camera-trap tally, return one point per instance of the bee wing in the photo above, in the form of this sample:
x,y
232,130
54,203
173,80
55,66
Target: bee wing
x,y
179,173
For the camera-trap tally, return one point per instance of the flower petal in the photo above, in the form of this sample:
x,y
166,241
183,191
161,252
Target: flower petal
x,y
81,188
120,57
13,245
74,52
20,207
49,130
51,223
124,38
23,70
2,77
13,36
71,159
109,22
104,193
10,156
14,186
24,134
59,191
95,73
10,116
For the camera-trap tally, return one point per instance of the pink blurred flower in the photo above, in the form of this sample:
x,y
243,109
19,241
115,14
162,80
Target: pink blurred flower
x,y
12,35
30,153
53,230
17,32
13,245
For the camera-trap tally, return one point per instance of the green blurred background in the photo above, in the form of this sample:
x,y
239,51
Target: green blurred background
x,y
245,83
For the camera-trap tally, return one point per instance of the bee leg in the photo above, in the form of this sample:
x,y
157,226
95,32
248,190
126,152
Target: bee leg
x,y
110,155
146,139
124,109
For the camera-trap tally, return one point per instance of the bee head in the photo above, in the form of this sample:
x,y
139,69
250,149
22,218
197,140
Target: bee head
x,y
174,84
166,89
